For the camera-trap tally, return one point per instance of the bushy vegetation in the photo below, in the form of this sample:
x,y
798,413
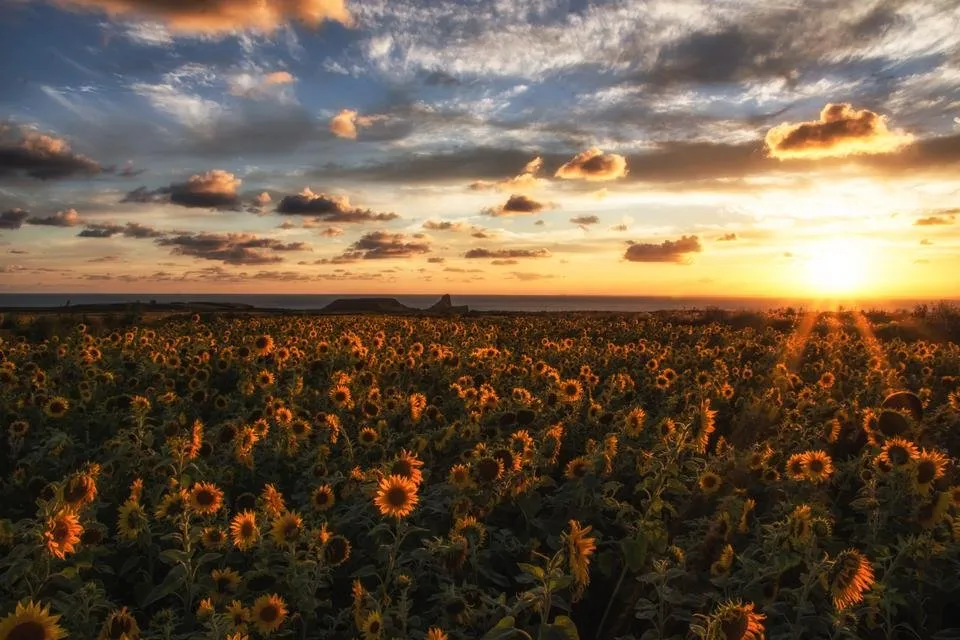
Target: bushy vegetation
x,y
781,475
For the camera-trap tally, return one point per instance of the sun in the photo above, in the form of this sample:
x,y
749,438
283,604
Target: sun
x,y
837,266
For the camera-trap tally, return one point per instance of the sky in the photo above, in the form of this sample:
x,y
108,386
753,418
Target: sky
x,y
663,147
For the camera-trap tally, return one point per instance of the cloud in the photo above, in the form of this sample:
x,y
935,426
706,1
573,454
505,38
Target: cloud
x,y
261,85
263,199
215,189
383,245
326,208
436,260
443,225
128,230
527,276
675,251
230,248
527,180
65,218
943,218
517,204
347,123
727,237
500,254
13,218
841,131
583,221
220,16
44,157
926,242
594,165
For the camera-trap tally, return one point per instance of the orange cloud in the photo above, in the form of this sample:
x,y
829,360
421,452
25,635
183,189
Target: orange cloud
x,y
517,204
594,165
345,124
221,16
840,131
675,251
526,181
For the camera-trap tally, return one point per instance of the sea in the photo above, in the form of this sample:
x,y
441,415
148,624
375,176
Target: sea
x,y
508,303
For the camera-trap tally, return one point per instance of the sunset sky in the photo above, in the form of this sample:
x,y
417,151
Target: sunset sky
x,y
720,147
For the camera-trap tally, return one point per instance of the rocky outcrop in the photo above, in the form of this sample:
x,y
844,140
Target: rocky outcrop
x,y
445,305
390,305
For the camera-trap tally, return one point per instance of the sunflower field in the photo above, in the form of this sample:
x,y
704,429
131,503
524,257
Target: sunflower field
x,y
531,477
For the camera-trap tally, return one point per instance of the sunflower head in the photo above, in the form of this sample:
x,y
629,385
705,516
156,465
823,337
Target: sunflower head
x,y
31,621
120,624
735,620
268,613
396,496
850,576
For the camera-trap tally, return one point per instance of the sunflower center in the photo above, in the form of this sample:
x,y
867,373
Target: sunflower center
x,y
205,498
269,613
926,471
246,529
898,456
734,627
397,497
119,626
28,630
402,468
816,466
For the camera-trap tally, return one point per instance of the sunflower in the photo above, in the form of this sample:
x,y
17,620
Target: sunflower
x,y
704,425
336,550
709,482
459,477
322,498
263,345
721,566
273,501
120,624
471,529
817,465
286,529
436,633
131,520
368,436
172,505
268,613
372,625
31,621
56,407
225,581
264,379
571,390
634,422
396,496
408,466
898,452
734,620
849,577
239,615
340,397
63,534
795,467
205,609
577,468
488,469
19,428
927,467
213,538
79,490
580,546
206,498
244,530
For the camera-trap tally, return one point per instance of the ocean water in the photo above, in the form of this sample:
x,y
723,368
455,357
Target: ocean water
x,y
475,302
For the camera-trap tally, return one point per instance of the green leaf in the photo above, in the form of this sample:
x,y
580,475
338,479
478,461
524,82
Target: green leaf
x,y
174,556
174,581
503,629
366,571
533,570
562,628
635,551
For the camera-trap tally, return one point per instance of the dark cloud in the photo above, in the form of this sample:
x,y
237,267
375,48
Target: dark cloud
x,y
841,130
727,237
215,189
231,248
65,218
328,208
517,204
128,230
436,260
594,165
506,253
13,218
24,151
219,16
945,217
528,276
440,79
584,221
443,225
383,245
732,54
675,251
504,263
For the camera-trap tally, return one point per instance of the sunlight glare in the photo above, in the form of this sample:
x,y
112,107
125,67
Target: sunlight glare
x,y
837,266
